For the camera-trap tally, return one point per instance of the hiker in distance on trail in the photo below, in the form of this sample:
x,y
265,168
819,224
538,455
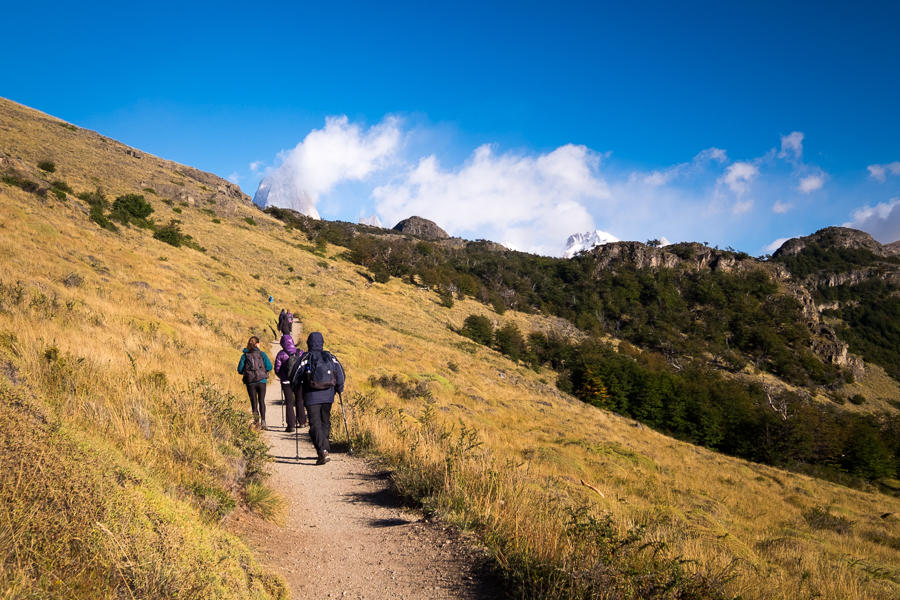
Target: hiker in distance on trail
x,y
317,377
254,367
285,362
286,322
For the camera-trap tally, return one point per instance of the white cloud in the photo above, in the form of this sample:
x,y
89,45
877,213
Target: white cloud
x,y
235,178
741,207
342,151
710,154
256,165
774,245
879,172
738,177
792,147
811,183
881,220
781,207
529,202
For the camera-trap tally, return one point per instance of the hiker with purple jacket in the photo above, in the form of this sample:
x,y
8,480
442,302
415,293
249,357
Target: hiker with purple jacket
x,y
296,412
254,367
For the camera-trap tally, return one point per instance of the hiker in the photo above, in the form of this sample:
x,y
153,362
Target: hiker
x,y
296,412
255,367
320,376
286,322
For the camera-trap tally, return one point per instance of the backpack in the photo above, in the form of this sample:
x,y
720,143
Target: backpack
x,y
254,367
289,366
290,317
316,369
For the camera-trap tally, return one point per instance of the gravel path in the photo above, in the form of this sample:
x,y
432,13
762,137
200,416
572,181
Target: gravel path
x,y
347,536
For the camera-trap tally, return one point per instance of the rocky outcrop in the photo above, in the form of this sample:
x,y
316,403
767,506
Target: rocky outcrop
x,y
837,237
633,254
826,344
420,227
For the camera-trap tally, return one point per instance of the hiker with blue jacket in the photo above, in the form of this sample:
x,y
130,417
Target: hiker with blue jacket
x,y
321,375
296,413
254,367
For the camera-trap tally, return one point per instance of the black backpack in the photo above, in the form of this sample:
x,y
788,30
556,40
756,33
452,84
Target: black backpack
x,y
254,367
316,369
289,366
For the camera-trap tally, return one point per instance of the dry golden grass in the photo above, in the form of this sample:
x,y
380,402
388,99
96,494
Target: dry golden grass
x,y
187,316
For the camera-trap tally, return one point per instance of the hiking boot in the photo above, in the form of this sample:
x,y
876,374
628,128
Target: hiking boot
x,y
323,457
289,430
262,425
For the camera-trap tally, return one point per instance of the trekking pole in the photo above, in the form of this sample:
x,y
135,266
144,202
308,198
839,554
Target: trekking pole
x,y
283,402
346,427
297,442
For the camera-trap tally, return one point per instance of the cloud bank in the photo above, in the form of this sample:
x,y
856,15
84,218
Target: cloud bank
x,y
534,201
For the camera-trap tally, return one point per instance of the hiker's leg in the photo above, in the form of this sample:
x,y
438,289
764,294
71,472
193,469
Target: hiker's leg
x,y
326,425
251,391
290,405
315,425
262,400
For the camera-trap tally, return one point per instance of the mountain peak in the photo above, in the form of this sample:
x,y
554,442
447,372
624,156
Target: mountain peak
x,y
585,241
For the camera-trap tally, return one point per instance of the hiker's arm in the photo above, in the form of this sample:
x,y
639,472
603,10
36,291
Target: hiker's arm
x,y
267,362
339,376
241,364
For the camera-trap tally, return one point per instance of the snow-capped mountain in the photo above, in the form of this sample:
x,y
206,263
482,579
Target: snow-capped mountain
x,y
280,189
372,221
585,241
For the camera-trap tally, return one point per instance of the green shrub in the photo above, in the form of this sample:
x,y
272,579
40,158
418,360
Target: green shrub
x,y
478,329
857,399
59,194
217,221
25,184
446,297
47,165
149,190
67,126
170,234
250,221
509,341
62,186
167,201
176,210
132,208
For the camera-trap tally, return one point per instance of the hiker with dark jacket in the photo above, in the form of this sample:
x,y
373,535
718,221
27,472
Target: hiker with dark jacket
x,y
255,367
286,322
296,413
318,391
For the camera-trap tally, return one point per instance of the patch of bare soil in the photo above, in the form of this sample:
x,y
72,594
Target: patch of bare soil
x,y
346,535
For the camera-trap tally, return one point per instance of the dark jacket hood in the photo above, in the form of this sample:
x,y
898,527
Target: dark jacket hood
x,y
315,341
287,343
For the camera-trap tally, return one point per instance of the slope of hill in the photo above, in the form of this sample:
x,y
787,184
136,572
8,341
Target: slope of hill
x,y
106,336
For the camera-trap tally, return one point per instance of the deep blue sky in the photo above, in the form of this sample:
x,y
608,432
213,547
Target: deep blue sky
x,y
221,85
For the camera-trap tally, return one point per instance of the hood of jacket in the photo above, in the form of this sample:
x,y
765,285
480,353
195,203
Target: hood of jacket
x,y
315,341
287,343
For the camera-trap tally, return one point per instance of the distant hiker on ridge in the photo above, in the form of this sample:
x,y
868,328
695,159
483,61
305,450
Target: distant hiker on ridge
x,y
296,413
255,367
318,377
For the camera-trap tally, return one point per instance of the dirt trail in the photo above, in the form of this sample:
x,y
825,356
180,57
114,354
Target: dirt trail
x,y
346,535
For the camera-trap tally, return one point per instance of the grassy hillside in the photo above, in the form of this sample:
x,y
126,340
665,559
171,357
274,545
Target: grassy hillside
x,y
126,439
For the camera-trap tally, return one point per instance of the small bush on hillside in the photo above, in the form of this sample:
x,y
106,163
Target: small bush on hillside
x,y
149,190
47,165
820,517
403,388
98,205
250,221
176,210
857,399
446,297
67,126
61,195
170,234
25,184
217,221
62,186
478,328
132,208
167,201
509,341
